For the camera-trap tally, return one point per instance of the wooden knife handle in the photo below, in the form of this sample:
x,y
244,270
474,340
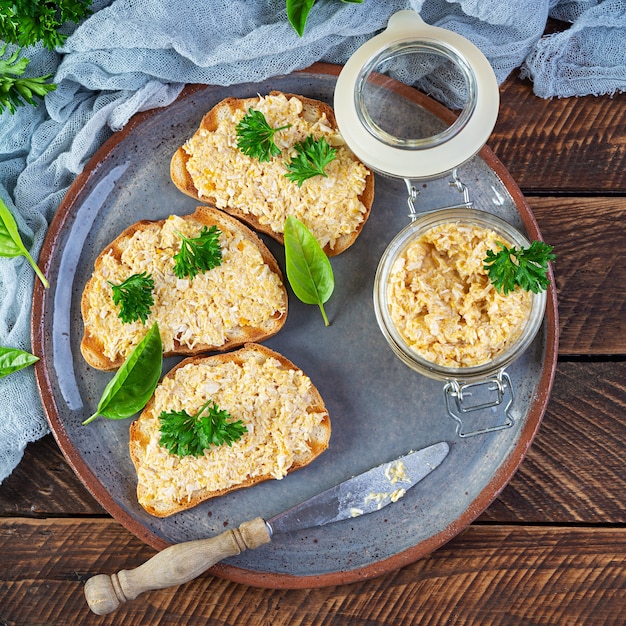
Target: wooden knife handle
x,y
175,565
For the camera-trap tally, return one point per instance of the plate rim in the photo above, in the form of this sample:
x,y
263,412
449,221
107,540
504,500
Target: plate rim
x,y
242,575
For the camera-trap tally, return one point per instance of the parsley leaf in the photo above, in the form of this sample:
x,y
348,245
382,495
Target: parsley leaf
x,y
134,297
311,159
198,254
14,89
525,267
255,137
190,435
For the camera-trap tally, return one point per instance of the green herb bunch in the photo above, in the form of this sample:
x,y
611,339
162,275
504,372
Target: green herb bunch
x,y
190,435
312,157
25,22
255,138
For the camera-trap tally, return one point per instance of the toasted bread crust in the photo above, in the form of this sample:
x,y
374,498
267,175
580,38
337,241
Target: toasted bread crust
x,y
313,109
92,347
318,442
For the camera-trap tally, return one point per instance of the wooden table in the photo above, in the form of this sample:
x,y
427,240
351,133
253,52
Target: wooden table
x,y
551,549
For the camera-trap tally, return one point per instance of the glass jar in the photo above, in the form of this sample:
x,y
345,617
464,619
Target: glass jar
x,y
394,143
487,380
411,233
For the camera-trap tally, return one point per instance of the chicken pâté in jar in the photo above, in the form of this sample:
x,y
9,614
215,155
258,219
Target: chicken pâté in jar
x,y
436,302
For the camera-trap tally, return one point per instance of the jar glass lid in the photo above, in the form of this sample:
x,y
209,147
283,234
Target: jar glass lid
x,y
408,62
410,54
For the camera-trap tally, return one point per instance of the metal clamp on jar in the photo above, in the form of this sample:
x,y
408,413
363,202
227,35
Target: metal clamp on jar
x,y
411,48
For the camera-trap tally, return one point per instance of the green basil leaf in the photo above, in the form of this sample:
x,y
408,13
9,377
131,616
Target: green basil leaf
x,y
134,383
12,360
298,12
10,242
308,268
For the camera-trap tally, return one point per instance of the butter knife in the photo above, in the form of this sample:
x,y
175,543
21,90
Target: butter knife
x,y
182,562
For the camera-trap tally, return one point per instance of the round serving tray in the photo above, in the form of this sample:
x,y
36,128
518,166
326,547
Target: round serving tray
x,y
379,408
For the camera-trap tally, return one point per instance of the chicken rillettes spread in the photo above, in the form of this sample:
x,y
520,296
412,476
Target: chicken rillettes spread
x,y
443,304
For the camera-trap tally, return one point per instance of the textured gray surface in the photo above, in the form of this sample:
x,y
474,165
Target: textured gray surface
x,y
379,408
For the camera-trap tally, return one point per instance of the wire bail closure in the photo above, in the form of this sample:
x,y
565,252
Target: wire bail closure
x,y
456,182
458,396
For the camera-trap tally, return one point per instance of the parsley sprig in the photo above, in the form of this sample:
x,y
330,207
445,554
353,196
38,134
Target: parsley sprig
x,y
255,136
134,297
198,254
313,155
190,435
15,90
524,267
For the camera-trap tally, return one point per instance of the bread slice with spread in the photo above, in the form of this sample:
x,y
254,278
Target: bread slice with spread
x,y
241,300
211,167
287,426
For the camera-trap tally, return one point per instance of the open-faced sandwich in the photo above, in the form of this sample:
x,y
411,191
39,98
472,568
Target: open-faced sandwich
x,y
261,159
223,422
206,278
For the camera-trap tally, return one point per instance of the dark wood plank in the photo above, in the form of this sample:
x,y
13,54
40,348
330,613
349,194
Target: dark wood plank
x,y
573,473
590,270
43,484
488,575
562,145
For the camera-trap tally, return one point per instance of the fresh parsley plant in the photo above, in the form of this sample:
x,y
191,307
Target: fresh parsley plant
x,y
198,254
134,297
255,136
311,159
524,267
25,22
190,435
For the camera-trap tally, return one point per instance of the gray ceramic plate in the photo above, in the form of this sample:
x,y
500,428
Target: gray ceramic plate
x,y
379,408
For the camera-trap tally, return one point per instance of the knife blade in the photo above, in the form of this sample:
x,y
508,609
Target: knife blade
x,y
182,562
367,492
